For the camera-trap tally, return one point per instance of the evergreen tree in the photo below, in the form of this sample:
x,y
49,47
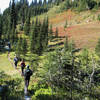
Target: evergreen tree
x,y
27,25
46,32
13,15
40,2
35,2
23,16
12,35
39,36
67,4
24,47
66,44
56,33
18,48
44,2
33,39
50,32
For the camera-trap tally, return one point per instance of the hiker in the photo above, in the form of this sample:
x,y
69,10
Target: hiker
x,y
15,61
22,66
27,74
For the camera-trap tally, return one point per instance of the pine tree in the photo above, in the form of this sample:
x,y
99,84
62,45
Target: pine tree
x,y
56,33
33,39
27,25
24,47
46,31
12,35
66,44
13,15
18,48
39,36
35,2
50,32
40,2
40,40
23,16
45,1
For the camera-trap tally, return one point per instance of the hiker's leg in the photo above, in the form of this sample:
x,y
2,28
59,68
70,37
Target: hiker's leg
x,y
28,81
15,65
26,91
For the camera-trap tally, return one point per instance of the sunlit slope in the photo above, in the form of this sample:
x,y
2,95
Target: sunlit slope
x,y
82,27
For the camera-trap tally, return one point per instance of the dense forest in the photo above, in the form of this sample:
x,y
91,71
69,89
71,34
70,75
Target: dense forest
x,y
59,73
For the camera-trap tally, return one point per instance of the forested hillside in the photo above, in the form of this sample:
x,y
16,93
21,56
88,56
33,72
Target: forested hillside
x,y
59,41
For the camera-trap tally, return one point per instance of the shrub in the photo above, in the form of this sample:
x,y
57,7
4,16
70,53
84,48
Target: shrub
x,y
42,94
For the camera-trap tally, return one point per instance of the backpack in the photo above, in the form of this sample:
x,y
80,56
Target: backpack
x,y
23,65
28,73
15,60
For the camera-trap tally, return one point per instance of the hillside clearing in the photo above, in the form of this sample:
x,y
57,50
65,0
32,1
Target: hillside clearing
x,y
84,36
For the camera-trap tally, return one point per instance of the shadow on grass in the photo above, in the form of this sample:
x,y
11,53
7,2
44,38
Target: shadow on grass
x,y
55,39
55,45
10,87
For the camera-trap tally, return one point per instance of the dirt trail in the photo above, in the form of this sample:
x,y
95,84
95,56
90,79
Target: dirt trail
x,y
26,97
13,63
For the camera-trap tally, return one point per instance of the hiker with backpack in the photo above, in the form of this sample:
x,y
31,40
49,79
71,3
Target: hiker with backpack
x,y
27,74
15,61
22,66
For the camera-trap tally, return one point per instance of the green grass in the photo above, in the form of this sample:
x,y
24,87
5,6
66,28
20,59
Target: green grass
x,y
6,66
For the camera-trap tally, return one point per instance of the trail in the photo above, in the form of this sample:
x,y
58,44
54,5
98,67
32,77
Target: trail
x,y
13,63
26,97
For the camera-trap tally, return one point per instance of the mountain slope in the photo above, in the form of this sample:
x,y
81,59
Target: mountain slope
x,y
83,27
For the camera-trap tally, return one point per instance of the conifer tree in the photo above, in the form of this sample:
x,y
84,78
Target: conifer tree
x,y
56,33
8,35
50,32
19,47
23,16
39,36
41,40
13,15
66,44
24,47
35,2
33,39
12,34
40,2
46,32
45,1
27,25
